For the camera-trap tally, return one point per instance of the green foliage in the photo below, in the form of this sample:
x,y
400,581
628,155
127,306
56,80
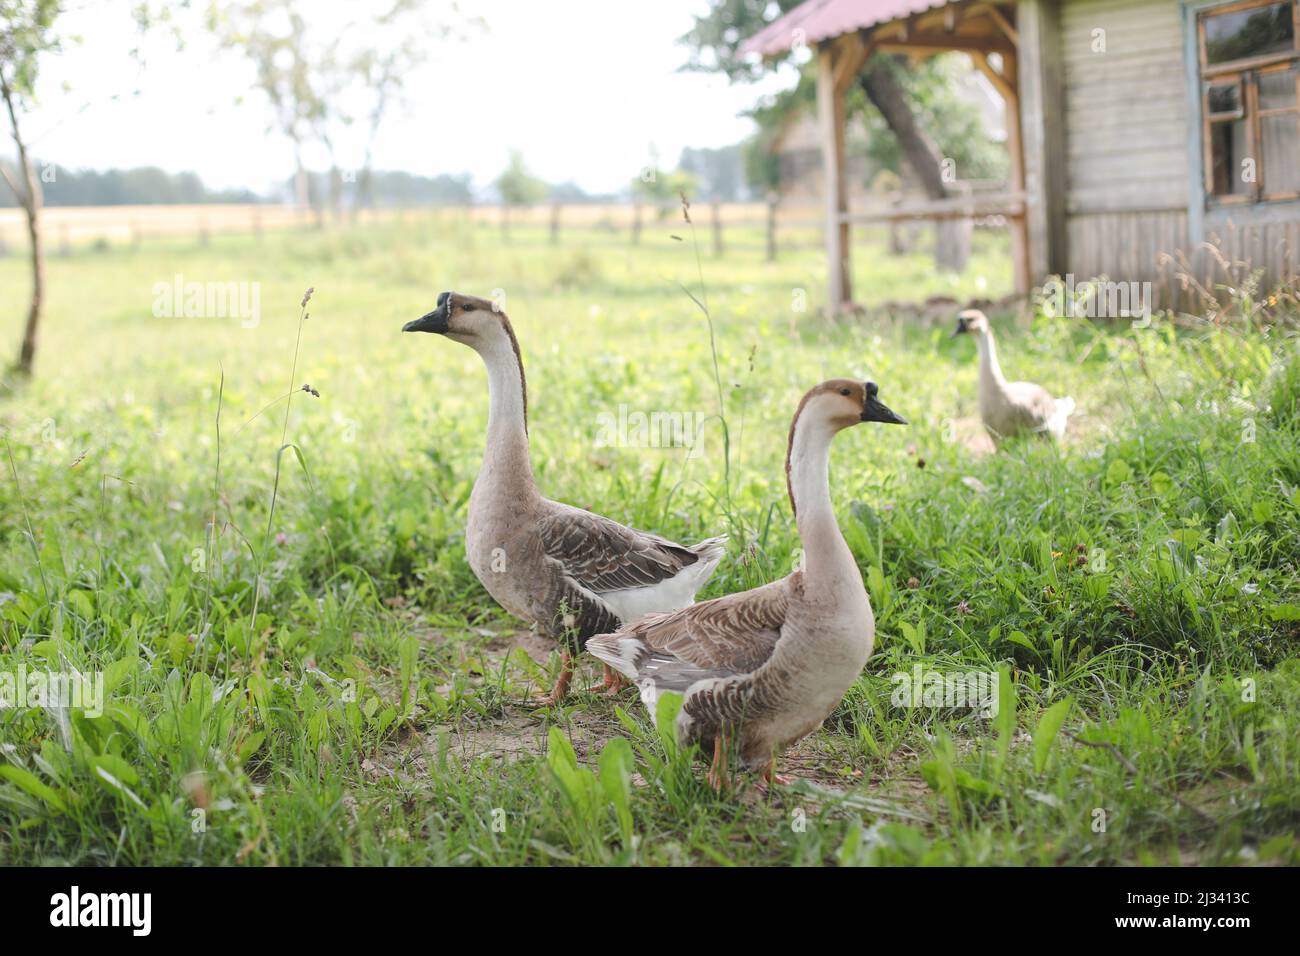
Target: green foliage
x,y
26,32
1049,725
519,187
956,126
664,188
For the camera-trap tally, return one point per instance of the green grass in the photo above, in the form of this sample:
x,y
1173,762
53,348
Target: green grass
x,y
1137,587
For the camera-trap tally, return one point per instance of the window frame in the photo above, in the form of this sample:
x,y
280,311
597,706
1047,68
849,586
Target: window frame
x,y
1245,72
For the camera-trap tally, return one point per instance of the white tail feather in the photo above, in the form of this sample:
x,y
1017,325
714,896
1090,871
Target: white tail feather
x,y
619,653
1064,409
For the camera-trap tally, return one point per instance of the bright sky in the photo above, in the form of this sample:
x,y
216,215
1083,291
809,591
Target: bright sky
x,y
587,89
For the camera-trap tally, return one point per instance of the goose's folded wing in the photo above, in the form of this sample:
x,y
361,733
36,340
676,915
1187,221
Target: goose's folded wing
x,y
1032,404
735,634
602,555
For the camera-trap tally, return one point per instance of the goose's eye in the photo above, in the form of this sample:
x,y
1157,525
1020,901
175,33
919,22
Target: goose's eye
x,y
844,391
467,307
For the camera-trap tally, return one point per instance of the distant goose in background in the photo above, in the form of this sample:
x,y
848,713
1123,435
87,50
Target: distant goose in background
x,y
763,668
569,572
1010,408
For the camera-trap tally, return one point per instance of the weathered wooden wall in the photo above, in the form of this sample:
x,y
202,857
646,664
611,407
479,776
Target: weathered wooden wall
x,y
1131,182
1126,121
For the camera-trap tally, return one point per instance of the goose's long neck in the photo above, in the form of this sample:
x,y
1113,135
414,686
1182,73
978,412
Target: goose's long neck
x,y
990,370
506,459
826,554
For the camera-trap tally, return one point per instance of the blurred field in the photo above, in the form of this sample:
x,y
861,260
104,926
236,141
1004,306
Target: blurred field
x,y
376,710
103,225
744,227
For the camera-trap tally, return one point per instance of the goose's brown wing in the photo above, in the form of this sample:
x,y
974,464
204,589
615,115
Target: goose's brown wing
x,y
602,555
729,635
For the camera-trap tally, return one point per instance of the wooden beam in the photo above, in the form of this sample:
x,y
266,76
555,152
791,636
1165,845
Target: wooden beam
x,y
950,13
1043,135
999,81
830,124
1021,266
975,205
853,53
999,19
938,42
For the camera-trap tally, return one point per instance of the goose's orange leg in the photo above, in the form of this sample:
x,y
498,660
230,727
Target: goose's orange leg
x,y
770,776
561,688
613,683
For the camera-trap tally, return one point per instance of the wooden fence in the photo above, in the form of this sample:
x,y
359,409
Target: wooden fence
x,y
767,227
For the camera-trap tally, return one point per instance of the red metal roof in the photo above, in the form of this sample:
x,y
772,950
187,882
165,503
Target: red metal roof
x,y
824,19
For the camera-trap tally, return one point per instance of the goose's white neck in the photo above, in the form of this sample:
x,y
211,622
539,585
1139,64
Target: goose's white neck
x,y
506,458
990,370
808,470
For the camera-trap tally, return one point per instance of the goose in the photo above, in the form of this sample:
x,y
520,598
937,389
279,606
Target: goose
x,y
569,573
1010,408
761,669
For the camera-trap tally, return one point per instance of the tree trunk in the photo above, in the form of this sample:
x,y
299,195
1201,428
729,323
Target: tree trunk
x,y
888,96
27,352
364,197
301,184
30,199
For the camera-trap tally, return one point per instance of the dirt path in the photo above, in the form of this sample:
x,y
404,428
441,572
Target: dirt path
x,y
828,763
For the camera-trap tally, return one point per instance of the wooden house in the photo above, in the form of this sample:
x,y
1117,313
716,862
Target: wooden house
x,y
1141,132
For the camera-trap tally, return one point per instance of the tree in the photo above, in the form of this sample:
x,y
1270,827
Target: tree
x,y
518,187
406,37
910,113
319,85
664,189
719,171
272,34
26,33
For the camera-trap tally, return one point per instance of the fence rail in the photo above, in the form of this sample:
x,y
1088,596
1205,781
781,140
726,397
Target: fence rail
x,y
770,227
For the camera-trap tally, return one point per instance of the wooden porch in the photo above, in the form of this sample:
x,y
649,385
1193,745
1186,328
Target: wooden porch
x,y
1004,41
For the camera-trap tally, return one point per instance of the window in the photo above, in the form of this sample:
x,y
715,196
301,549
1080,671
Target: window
x,y
1250,100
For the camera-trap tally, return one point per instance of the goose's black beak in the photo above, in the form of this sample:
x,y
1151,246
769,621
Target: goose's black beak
x,y
435,321
873,410
961,327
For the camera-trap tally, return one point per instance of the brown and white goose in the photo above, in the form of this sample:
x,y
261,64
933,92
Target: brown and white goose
x,y
569,572
1010,408
763,668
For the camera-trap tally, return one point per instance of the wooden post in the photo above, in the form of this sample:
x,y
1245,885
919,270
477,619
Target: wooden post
x,y
716,211
204,237
1042,136
1021,266
555,224
830,122
771,227
1005,83
636,223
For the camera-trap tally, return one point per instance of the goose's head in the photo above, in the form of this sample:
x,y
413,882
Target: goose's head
x,y
843,402
465,318
971,320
